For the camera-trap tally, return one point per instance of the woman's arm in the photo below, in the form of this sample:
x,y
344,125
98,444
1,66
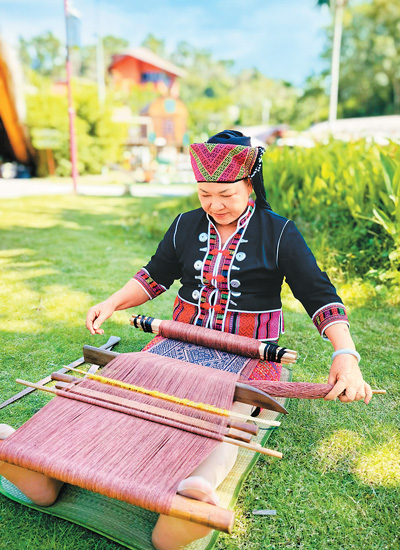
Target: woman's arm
x,y
345,373
164,267
131,295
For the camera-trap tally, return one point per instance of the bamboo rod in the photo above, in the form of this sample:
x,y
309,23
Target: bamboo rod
x,y
172,398
68,379
157,411
254,447
250,446
297,390
203,513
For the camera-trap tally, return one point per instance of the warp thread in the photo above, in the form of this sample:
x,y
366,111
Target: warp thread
x,y
299,390
118,455
232,343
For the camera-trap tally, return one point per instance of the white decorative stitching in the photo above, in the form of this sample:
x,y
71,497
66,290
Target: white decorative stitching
x,y
176,228
279,242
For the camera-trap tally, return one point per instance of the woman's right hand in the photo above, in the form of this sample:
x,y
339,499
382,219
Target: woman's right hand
x,y
97,315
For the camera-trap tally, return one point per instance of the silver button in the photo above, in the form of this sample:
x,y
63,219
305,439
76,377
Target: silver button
x,y
195,294
203,237
240,256
235,283
198,265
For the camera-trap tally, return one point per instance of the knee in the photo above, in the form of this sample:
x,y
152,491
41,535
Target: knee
x,y
48,493
158,540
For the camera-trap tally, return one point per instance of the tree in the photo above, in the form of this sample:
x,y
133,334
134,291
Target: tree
x,y
155,45
111,45
370,59
43,53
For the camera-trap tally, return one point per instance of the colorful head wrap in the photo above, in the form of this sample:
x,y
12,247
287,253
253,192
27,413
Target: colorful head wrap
x,y
228,157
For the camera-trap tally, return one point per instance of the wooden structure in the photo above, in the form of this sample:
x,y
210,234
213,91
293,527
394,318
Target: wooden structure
x,y
14,141
65,464
142,66
169,120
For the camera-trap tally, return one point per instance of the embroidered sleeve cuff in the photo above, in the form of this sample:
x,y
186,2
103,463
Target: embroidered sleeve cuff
x,y
329,315
149,285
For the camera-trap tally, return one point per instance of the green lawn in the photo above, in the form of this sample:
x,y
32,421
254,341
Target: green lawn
x,y
338,486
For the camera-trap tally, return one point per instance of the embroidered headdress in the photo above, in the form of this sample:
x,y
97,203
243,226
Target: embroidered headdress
x,y
228,157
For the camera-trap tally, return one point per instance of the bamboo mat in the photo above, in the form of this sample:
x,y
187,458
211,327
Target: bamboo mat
x,y
129,525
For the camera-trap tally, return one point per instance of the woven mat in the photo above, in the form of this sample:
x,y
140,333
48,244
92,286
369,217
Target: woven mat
x,y
129,525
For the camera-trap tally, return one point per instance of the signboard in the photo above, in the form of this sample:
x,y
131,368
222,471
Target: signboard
x,y
46,138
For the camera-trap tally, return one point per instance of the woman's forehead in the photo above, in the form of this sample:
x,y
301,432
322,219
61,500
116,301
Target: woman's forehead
x,y
219,186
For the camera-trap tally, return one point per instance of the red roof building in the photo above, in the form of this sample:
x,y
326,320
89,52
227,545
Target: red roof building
x,y
142,66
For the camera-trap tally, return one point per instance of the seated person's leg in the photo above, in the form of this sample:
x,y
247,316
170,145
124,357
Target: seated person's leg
x,y
41,489
171,533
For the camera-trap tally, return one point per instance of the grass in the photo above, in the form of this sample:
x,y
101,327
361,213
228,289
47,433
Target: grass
x,y
338,486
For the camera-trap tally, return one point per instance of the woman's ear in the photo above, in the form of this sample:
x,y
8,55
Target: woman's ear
x,y
249,186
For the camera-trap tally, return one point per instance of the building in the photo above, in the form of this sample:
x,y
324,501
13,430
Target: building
x,y
379,128
169,118
15,146
163,122
142,66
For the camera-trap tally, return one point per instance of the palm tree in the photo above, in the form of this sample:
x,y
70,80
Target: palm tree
x,y
338,8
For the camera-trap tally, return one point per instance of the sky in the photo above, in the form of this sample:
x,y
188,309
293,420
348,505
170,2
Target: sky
x,y
281,38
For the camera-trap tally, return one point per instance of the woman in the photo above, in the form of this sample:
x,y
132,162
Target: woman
x,y
231,256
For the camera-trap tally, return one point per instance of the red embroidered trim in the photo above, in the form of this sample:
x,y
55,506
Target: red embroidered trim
x,y
217,284
261,326
328,315
152,288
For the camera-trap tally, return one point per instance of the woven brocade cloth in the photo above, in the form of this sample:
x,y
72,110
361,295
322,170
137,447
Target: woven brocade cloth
x,y
252,369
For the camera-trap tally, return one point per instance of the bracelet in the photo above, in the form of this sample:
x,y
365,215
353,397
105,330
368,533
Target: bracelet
x,y
347,351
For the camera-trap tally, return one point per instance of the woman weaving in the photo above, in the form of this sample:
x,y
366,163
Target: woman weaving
x,y
231,256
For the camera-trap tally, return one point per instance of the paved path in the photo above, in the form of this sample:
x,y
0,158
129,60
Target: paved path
x,y
15,188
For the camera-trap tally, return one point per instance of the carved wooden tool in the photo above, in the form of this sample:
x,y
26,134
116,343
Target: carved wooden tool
x,y
243,393
112,341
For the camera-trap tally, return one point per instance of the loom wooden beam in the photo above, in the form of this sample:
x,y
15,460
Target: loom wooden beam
x,y
231,414
158,326
209,515
246,394
243,393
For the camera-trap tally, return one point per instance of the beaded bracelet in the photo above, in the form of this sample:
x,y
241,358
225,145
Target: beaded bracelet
x,y
347,351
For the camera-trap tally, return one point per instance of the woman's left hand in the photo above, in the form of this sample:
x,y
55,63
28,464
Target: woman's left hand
x,y
348,381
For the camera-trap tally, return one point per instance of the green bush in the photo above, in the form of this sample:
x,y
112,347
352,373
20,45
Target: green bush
x,y
345,197
100,141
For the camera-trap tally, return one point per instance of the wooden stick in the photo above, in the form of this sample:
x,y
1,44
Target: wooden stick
x,y
244,393
67,379
196,511
157,411
252,447
210,408
112,341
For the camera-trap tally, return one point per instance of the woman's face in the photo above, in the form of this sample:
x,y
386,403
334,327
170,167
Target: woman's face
x,y
225,202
